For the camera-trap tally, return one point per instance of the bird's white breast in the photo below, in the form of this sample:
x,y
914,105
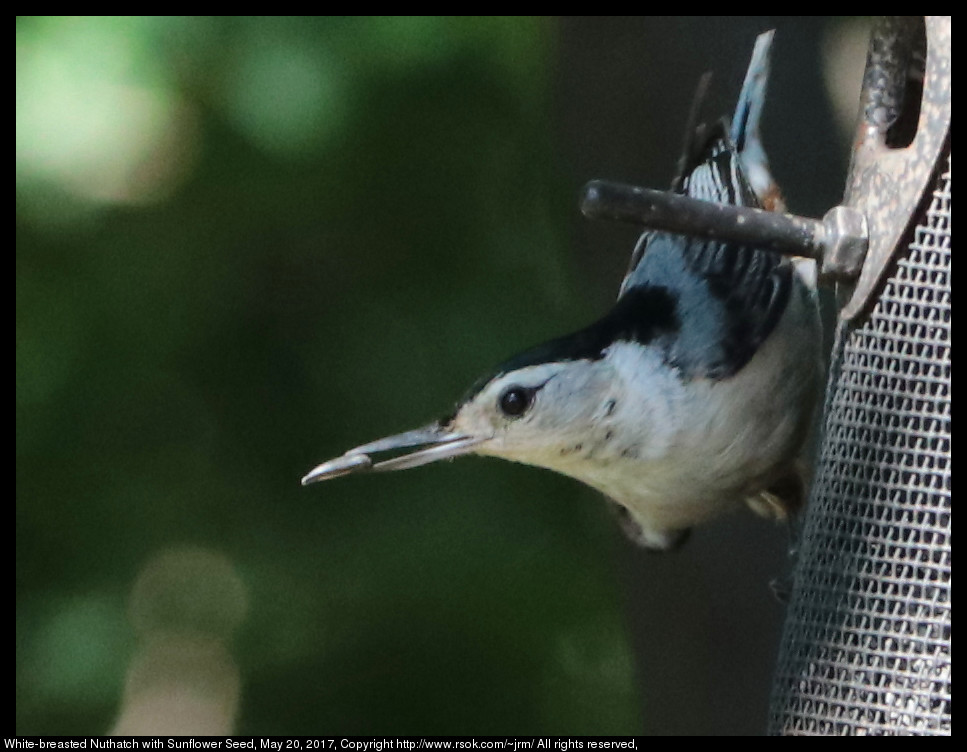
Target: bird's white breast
x,y
675,452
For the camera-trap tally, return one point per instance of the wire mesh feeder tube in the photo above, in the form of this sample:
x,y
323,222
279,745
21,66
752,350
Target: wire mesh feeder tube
x,y
866,647
866,644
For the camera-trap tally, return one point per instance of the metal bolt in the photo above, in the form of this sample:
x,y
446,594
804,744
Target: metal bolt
x,y
839,241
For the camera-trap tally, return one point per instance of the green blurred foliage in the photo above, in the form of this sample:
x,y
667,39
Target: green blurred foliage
x,y
247,244
244,245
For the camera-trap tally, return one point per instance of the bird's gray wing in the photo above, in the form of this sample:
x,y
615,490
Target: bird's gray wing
x,y
728,297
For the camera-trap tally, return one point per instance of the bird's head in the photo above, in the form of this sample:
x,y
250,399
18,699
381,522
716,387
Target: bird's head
x,y
548,406
537,408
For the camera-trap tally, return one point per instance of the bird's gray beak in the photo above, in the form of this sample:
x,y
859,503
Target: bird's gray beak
x,y
432,442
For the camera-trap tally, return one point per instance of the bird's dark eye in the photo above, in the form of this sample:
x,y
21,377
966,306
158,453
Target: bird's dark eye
x,y
515,400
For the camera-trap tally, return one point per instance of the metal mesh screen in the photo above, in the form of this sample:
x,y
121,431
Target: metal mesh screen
x,y
866,647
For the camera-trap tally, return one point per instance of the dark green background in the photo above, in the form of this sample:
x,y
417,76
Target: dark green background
x,y
372,212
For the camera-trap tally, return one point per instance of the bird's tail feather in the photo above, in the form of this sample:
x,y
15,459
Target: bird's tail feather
x,y
745,133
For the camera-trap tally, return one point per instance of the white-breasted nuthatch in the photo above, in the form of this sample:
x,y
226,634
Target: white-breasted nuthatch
x,y
695,392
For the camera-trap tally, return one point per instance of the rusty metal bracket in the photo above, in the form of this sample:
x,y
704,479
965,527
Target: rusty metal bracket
x,y
886,183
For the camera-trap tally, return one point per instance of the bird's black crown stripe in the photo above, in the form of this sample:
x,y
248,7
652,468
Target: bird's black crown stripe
x,y
641,315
